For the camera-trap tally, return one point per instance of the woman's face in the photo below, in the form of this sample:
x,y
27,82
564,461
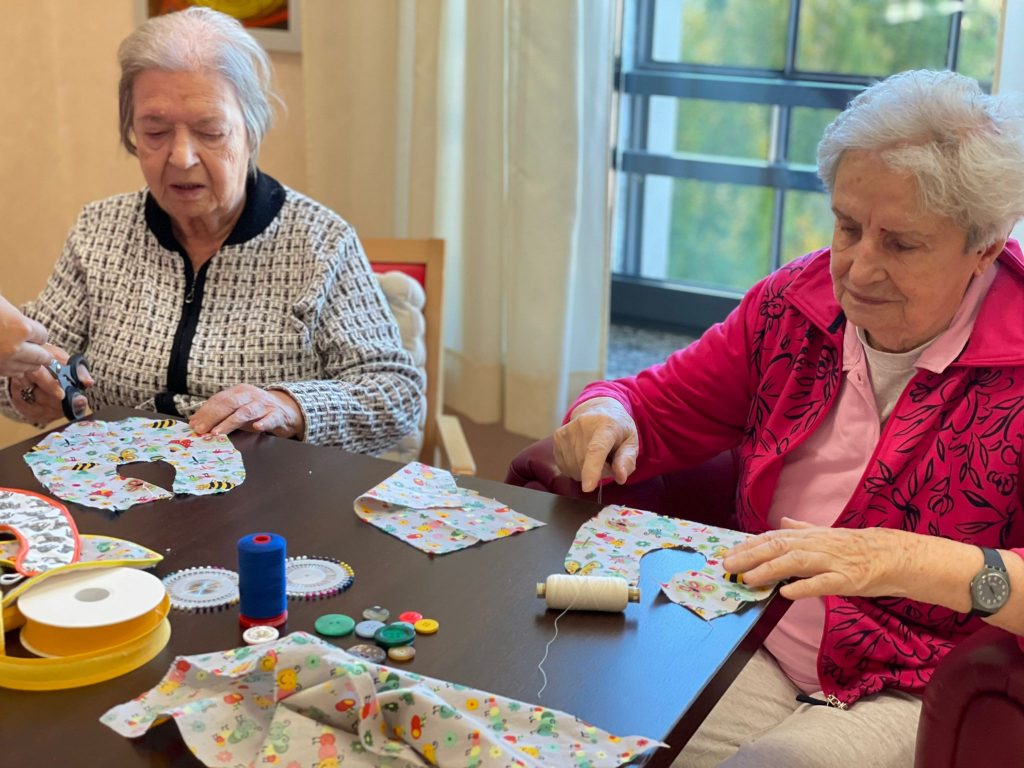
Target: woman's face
x,y
192,146
898,272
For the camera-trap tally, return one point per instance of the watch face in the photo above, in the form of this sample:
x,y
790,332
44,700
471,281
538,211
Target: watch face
x,y
990,590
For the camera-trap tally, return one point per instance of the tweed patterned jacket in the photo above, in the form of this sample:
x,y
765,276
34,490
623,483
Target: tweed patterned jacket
x,y
289,302
948,461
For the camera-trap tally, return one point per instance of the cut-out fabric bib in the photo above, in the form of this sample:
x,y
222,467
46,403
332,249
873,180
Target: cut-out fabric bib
x,y
79,463
613,542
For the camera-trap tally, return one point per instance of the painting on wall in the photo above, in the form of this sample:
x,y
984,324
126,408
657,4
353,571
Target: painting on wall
x,y
274,23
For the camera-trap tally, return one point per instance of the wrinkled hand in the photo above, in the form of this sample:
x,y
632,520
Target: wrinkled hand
x,y
43,392
21,342
252,409
869,562
600,440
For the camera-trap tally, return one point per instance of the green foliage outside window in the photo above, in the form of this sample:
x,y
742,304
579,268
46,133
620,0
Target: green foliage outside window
x,y
720,233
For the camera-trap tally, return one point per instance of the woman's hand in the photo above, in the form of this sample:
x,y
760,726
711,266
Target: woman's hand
x,y
598,429
870,562
37,395
21,342
244,406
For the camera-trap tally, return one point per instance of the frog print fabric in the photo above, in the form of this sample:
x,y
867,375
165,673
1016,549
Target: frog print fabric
x,y
301,701
613,542
79,463
423,507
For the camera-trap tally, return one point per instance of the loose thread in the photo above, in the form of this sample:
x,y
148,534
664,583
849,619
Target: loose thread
x,y
547,648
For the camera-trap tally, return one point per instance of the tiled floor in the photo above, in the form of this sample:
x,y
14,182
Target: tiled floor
x,y
631,349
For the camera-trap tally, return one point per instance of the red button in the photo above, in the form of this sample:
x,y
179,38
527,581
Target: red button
x,y
410,616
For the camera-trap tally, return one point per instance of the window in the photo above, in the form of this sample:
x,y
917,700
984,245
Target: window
x,y
722,104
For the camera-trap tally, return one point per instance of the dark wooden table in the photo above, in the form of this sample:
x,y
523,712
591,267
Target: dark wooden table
x,y
654,671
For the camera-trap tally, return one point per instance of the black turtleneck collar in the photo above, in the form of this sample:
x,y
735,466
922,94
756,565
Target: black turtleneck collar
x,y
264,197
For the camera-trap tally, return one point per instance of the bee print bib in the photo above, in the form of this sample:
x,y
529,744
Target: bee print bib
x,y
79,463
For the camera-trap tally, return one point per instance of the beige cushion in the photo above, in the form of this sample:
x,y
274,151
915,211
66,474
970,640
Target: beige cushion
x,y
406,298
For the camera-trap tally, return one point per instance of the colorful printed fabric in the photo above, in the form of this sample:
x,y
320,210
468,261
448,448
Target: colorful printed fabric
x,y
613,542
45,533
95,548
423,507
301,701
79,463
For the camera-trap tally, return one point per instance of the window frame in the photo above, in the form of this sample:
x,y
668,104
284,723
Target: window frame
x,y
638,78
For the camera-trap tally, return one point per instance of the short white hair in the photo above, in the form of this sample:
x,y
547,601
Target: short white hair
x,y
199,39
964,148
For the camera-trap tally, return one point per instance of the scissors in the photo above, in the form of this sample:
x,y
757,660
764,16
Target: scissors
x,y
67,377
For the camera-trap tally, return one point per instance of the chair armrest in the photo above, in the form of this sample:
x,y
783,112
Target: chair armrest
x,y
974,705
454,445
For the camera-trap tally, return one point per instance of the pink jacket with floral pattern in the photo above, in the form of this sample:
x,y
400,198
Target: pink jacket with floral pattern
x,y
948,462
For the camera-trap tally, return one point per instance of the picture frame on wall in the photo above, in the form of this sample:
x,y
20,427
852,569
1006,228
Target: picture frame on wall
x,y
274,23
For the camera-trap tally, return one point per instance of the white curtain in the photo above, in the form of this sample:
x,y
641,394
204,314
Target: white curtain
x,y
487,123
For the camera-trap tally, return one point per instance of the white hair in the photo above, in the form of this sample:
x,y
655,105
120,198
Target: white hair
x,y
964,148
200,39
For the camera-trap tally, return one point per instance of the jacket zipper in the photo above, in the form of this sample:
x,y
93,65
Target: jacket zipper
x,y
181,347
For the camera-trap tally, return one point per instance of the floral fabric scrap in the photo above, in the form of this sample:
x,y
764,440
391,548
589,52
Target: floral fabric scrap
x,y
423,506
301,701
613,542
79,463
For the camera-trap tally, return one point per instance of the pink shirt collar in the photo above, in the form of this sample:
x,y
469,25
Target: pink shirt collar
x,y
949,344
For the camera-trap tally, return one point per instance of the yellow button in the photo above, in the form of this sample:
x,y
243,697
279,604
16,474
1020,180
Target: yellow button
x,y
426,626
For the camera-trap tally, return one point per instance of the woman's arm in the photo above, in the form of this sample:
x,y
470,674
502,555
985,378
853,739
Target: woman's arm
x,y
874,562
63,309
369,394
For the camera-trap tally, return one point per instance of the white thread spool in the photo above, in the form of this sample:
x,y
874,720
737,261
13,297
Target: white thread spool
x,y
588,593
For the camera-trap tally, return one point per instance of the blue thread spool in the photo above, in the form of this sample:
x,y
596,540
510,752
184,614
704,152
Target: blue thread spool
x,y
261,580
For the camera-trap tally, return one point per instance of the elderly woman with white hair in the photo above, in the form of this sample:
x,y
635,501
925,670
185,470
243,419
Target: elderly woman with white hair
x,y
217,293
873,393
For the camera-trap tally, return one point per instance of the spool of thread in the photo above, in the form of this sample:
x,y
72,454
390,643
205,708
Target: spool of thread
x,y
587,593
261,580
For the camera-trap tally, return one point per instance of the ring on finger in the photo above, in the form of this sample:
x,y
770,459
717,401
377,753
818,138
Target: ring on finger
x,y
28,394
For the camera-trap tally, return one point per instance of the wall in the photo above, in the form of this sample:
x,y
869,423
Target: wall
x,y
58,133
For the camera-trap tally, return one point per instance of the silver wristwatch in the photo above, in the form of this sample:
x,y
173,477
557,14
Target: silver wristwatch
x,y
990,588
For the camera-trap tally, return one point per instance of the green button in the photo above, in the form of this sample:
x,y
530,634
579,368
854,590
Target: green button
x,y
393,635
335,624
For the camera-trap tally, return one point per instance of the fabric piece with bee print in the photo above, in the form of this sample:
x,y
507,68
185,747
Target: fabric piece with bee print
x,y
423,507
302,701
79,463
613,542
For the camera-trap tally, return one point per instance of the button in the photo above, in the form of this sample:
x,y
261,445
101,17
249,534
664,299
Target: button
x,y
334,624
427,626
401,653
366,629
369,652
260,634
391,635
376,613
410,616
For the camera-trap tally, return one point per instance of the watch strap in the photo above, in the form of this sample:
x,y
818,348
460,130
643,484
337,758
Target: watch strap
x,y
993,559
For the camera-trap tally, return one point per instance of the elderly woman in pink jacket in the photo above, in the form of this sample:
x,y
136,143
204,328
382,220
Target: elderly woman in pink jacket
x,y
873,393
